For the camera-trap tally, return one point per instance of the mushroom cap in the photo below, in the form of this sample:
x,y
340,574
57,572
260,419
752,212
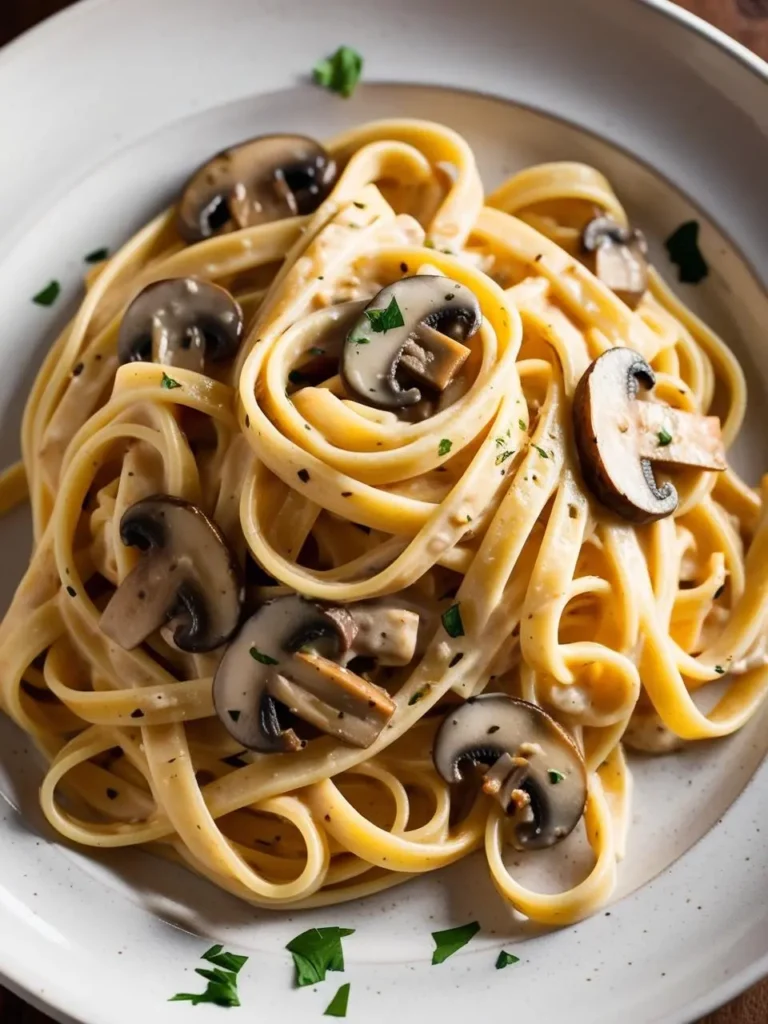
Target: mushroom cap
x,y
548,765
180,321
606,436
265,179
265,645
187,575
371,356
620,257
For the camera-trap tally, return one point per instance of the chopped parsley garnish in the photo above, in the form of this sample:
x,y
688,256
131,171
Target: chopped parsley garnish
x,y
450,941
264,659
338,1005
451,619
720,670
229,961
506,959
97,256
317,951
683,248
361,341
664,437
222,980
340,72
168,382
317,351
541,452
383,320
420,694
48,295
521,424
503,456
445,446
555,776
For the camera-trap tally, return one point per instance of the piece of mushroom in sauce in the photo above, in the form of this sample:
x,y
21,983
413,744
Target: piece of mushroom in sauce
x,y
187,576
430,317
265,179
535,770
619,437
292,652
619,256
180,322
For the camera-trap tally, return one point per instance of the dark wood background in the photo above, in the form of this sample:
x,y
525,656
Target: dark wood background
x,y
747,21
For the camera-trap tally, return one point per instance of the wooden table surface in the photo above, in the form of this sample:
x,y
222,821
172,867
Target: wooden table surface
x,y
747,21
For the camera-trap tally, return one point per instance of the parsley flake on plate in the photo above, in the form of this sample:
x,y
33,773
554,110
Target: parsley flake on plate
x,y
451,941
664,437
97,256
222,980
445,446
506,959
338,1005
317,951
340,72
683,248
168,382
48,295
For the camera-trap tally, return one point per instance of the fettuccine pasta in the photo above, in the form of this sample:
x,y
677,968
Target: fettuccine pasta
x,y
467,512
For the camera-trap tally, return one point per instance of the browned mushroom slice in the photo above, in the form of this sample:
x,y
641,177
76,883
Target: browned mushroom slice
x,y
187,575
412,326
333,699
619,257
289,652
265,179
536,771
615,436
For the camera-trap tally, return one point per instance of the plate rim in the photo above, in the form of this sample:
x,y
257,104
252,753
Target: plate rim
x,y
696,26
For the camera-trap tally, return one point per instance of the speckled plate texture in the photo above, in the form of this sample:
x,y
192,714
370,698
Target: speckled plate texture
x,y
108,106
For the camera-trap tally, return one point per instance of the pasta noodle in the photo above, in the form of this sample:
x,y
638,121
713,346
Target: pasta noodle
x,y
613,627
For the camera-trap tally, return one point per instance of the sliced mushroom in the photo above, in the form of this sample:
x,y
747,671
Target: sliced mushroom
x,y
536,770
187,575
264,179
180,322
619,437
290,646
436,313
619,257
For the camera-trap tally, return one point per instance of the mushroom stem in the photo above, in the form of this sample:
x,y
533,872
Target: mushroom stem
x,y
695,440
433,358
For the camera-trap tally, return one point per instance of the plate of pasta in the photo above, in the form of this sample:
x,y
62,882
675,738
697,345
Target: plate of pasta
x,y
385,548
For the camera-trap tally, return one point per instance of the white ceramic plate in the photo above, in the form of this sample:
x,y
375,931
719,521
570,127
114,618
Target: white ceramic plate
x,y
106,108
